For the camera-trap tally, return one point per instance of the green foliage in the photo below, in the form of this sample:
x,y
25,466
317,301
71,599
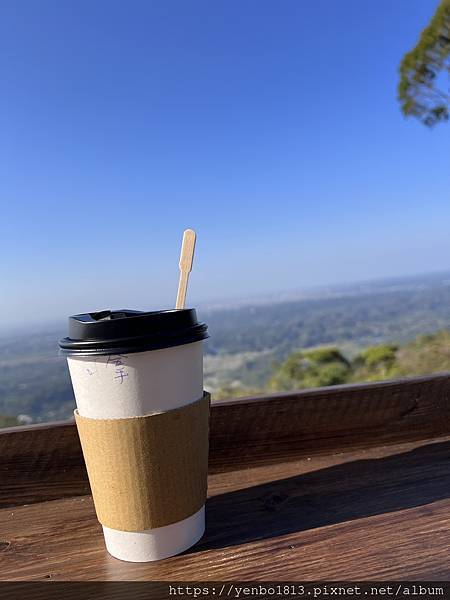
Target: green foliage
x,y
373,357
421,71
326,356
313,368
234,391
424,355
8,421
327,366
375,362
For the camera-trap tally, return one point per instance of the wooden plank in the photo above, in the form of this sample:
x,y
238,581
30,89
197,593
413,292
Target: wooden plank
x,y
273,428
44,462
41,462
380,513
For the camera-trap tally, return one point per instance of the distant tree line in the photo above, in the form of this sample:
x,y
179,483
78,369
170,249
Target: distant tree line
x,y
329,366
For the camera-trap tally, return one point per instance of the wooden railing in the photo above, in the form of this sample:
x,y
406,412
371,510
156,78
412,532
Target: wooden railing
x,y
44,462
331,484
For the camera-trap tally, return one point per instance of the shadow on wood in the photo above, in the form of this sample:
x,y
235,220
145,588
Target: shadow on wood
x,y
329,496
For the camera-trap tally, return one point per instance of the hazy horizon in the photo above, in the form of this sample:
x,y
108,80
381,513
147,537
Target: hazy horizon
x,y
231,302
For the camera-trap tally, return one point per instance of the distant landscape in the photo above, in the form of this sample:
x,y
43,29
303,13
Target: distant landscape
x,y
358,332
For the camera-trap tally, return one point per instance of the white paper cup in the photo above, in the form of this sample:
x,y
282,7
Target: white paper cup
x,y
118,386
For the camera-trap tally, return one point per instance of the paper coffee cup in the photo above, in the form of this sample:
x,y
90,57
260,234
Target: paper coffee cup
x,y
130,364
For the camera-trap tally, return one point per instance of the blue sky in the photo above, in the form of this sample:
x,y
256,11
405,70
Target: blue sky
x,y
272,128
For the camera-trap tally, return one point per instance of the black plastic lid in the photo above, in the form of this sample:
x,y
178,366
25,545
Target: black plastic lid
x,y
126,331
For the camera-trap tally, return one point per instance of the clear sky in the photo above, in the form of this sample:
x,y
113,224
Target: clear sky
x,y
272,128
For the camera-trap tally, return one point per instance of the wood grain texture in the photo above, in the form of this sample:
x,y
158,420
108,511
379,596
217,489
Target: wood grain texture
x,y
380,513
41,462
274,428
45,462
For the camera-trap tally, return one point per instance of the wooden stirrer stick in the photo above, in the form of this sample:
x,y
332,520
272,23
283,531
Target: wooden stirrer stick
x,y
186,259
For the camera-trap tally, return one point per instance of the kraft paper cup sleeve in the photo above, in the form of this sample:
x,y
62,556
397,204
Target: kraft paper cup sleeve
x,y
148,471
